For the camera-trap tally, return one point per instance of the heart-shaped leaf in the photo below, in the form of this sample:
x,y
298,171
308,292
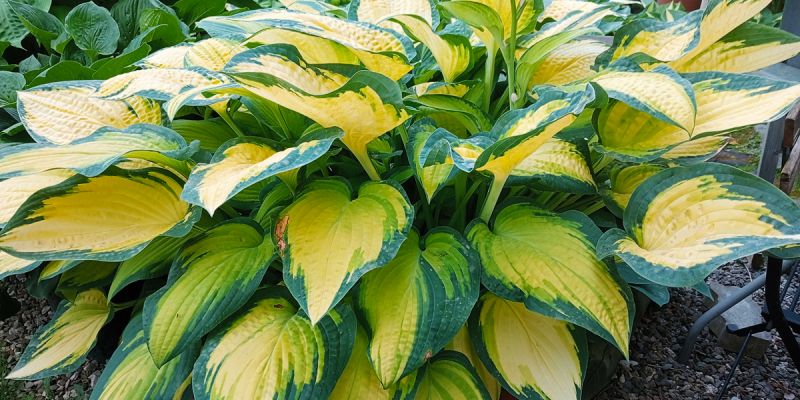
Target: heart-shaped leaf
x,y
61,346
213,275
533,356
131,372
271,348
329,240
548,261
242,162
684,222
404,334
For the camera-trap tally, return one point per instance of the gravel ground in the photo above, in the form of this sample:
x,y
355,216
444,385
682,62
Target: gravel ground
x,y
652,372
16,332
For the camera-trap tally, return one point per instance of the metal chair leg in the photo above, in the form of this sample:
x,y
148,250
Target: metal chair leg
x,y
718,309
714,312
724,388
772,299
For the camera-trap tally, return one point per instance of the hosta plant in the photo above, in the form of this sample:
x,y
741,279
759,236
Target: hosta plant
x,y
405,199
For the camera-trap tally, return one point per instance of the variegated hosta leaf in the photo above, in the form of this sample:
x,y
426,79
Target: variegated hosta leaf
x,y
328,240
571,17
684,222
162,84
568,63
381,50
372,102
696,150
313,49
724,102
242,162
214,274
623,182
151,262
686,37
10,265
521,132
660,92
14,191
452,52
62,112
270,349
131,372
83,276
378,12
212,53
484,21
748,48
463,344
533,56
559,164
437,155
358,380
722,16
169,57
91,155
628,134
61,346
449,375
109,217
533,356
406,327
313,7
57,267
662,40
446,88
490,20
585,12
548,261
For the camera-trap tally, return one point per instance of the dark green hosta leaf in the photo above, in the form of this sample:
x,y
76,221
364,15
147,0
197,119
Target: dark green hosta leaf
x,y
42,25
63,71
195,10
12,29
93,29
29,64
127,13
10,82
112,66
171,30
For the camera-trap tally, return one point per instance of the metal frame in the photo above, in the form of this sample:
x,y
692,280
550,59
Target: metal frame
x,y
719,308
775,318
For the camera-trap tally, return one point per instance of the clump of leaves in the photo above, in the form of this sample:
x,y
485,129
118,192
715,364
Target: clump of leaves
x,y
393,200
